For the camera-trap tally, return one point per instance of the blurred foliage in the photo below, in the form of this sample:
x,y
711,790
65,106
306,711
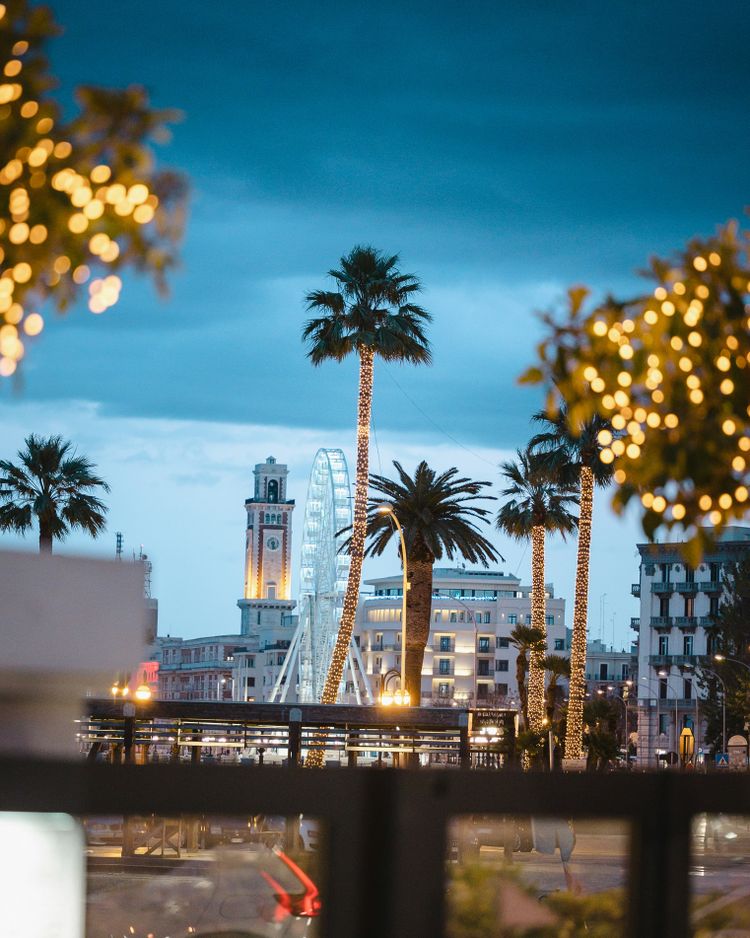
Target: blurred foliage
x,y
474,911
732,639
671,371
76,196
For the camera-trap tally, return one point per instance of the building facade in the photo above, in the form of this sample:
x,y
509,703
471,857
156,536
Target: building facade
x,y
678,609
244,666
469,660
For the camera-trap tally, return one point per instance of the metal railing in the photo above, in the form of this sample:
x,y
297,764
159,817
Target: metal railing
x,y
662,587
387,831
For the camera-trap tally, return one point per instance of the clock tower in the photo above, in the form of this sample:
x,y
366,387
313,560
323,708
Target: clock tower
x,y
268,549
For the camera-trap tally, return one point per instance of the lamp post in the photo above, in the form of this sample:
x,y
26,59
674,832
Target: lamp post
x,y
624,703
733,660
387,509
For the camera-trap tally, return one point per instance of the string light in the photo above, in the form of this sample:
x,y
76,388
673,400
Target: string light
x,y
535,696
356,549
574,723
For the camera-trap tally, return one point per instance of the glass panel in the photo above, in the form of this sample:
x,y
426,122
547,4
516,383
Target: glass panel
x,y
720,875
252,875
536,876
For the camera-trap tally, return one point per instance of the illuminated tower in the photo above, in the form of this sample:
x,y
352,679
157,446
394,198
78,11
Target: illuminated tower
x,y
268,548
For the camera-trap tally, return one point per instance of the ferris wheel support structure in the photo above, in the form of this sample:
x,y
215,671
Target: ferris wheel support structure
x,y
324,570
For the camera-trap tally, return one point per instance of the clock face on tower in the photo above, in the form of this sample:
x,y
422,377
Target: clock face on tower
x,y
272,543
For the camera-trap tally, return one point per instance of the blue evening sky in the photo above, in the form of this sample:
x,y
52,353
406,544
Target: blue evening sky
x,y
504,150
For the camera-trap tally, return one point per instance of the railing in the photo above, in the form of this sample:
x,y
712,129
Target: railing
x,y
692,660
707,621
635,623
687,586
387,832
659,660
444,648
662,587
661,621
438,671
710,586
635,589
686,621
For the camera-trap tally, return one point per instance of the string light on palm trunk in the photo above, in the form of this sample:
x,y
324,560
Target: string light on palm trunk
x,y
574,722
535,700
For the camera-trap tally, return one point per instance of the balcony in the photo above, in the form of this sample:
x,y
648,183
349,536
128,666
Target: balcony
x,y
443,671
443,647
635,623
710,586
635,589
687,587
708,622
662,588
690,661
661,622
686,622
660,661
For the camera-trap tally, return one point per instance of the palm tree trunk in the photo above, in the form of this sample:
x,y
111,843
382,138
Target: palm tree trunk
x,y
45,539
536,672
418,612
574,730
522,690
357,545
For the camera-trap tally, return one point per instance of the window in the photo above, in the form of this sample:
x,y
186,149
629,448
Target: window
x,y
454,617
279,659
436,617
482,691
501,664
512,619
378,665
711,644
444,690
502,642
663,644
559,644
666,572
664,607
271,591
715,572
689,606
625,672
689,575
445,643
664,723
483,667
461,616
444,666
662,689
713,606
501,690
549,620
687,645
688,692
528,618
486,618
249,682
483,645
603,671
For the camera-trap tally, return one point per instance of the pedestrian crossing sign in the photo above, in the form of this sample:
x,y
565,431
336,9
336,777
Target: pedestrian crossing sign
x,y
722,758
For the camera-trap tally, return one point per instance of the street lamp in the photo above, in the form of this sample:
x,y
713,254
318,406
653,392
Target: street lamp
x,y
399,698
386,508
733,660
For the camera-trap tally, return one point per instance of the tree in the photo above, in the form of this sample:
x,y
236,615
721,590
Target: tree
x,y
671,369
600,718
437,514
370,314
537,504
732,640
527,640
75,195
573,454
556,666
52,485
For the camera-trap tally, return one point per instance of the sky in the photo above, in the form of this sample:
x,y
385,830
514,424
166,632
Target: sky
x,y
505,150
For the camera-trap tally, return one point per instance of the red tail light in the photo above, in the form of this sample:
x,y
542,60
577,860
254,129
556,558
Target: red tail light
x,y
306,904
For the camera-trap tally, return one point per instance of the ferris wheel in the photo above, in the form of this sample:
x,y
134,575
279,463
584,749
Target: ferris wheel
x,y
324,570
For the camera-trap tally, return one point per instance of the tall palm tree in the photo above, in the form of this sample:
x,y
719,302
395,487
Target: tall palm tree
x,y
527,640
537,503
572,451
556,666
370,314
437,514
52,485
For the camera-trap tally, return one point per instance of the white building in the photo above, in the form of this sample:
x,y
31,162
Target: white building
x,y
244,666
608,669
679,606
469,660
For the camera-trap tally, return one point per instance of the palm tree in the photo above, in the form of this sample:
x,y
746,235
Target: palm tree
x,y
50,483
527,640
537,504
437,514
572,452
556,666
370,314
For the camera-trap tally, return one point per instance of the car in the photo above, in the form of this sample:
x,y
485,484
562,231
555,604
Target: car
x,y
228,830
255,891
